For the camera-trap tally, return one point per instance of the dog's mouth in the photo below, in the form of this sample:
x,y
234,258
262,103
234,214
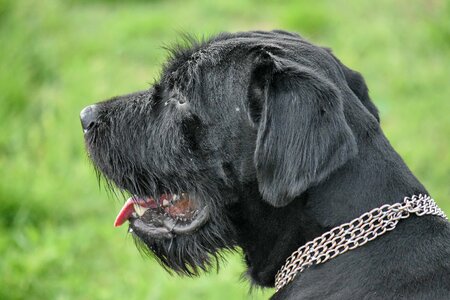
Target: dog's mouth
x,y
171,214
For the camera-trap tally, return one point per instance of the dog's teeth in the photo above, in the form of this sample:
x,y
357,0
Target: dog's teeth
x,y
175,197
165,202
140,210
130,230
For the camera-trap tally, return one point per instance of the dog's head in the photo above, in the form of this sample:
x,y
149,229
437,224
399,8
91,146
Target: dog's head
x,y
263,107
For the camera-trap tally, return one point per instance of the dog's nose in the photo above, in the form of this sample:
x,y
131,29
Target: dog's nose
x,y
88,117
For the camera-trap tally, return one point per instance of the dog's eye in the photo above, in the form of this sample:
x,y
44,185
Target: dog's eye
x,y
180,100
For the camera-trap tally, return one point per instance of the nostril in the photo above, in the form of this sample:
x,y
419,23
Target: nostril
x,y
88,117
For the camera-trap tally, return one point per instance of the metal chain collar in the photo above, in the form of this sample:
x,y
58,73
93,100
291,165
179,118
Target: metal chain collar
x,y
354,234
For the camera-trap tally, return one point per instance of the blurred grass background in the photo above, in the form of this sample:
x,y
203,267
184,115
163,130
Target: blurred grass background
x,y
56,234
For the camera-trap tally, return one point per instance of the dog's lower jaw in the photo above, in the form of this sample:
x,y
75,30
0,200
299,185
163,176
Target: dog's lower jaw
x,y
187,254
184,246
169,227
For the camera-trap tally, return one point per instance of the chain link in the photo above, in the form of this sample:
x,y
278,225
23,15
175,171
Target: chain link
x,y
354,234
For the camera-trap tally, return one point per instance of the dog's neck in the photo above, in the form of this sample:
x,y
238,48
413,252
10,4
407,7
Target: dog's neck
x,y
376,176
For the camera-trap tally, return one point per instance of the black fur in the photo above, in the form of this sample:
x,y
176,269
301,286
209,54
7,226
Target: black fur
x,y
282,142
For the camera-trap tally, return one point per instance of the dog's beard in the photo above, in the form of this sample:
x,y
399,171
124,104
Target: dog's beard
x,y
192,252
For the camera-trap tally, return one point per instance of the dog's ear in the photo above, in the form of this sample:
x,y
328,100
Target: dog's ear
x,y
302,132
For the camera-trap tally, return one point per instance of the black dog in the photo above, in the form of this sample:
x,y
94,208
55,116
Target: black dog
x,y
263,141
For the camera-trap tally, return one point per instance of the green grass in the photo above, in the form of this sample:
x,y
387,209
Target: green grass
x,y
56,234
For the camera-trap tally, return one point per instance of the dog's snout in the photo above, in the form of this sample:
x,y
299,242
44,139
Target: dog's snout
x,y
88,117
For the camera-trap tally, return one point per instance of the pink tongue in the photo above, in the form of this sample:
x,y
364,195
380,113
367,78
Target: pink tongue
x,y
128,209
